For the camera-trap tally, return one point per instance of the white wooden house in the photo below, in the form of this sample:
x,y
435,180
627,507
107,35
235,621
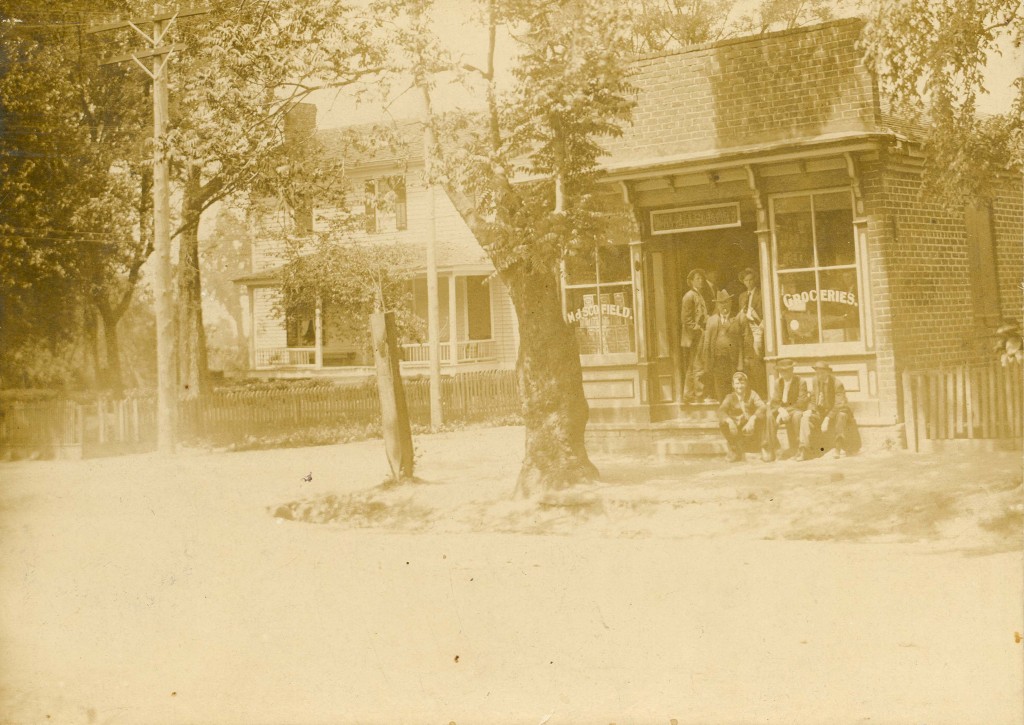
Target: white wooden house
x,y
478,328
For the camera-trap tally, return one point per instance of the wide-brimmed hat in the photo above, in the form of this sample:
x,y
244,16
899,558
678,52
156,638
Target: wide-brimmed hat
x,y
695,270
723,296
784,364
823,366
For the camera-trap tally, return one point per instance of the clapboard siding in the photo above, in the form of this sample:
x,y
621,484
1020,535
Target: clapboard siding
x,y
506,326
270,329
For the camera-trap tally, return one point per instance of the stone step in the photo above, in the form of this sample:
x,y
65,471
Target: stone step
x,y
656,431
691,447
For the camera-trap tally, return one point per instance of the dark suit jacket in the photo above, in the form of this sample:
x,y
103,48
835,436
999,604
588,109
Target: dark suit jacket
x,y
694,315
757,304
732,330
798,397
829,398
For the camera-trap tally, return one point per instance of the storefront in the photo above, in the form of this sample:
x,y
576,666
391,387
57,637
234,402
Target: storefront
x,y
792,217
772,154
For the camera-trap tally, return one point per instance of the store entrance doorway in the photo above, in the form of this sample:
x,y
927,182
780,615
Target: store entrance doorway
x,y
723,254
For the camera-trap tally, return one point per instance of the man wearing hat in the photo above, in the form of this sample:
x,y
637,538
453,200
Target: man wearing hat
x,y
723,341
741,418
751,324
788,403
1011,345
828,413
693,316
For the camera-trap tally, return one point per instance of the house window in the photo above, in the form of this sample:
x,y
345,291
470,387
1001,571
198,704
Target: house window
x,y
599,302
478,308
300,330
420,308
384,204
816,276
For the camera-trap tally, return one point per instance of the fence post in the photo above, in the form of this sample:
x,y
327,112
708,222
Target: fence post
x,y
909,422
920,410
969,399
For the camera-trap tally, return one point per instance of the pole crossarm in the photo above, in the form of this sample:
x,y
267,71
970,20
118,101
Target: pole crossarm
x,y
159,17
139,55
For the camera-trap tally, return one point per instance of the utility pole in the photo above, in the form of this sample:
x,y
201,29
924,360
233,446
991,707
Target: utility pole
x,y
433,314
166,370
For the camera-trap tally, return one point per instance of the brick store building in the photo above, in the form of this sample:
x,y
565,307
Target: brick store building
x,y
776,153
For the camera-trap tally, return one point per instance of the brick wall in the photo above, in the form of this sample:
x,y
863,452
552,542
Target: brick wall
x,y
1008,218
921,270
880,272
781,86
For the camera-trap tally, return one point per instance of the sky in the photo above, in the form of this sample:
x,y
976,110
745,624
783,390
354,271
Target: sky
x,y
456,28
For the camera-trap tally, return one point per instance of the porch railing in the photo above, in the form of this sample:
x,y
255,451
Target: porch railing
x,y
968,402
417,353
267,357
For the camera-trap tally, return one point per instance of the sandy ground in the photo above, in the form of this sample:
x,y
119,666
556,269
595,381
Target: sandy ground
x,y
882,589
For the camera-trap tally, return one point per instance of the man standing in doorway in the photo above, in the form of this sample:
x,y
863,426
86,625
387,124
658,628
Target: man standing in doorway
x,y
694,317
752,315
829,413
722,345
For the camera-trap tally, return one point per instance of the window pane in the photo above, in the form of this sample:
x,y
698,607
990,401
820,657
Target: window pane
x,y
614,264
584,314
397,184
799,308
617,319
833,225
793,234
840,305
478,302
580,269
422,310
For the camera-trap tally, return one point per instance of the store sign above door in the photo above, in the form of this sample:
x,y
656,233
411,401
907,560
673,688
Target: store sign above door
x,y
695,218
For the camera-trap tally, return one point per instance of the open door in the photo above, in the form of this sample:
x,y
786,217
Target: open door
x,y
662,298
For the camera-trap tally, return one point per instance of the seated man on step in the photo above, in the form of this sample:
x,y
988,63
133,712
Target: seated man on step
x,y
787,405
741,418
828,416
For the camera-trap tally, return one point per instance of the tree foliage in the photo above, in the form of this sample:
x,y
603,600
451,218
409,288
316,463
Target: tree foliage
x,y
353,280
523,176
243,68
72,188
668,25
931,59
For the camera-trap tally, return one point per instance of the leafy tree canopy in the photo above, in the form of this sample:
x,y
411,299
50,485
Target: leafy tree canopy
x,y
931,58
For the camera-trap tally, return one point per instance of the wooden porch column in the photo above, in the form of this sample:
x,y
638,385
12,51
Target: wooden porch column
x,y
318,332
250,293
764,250
453,337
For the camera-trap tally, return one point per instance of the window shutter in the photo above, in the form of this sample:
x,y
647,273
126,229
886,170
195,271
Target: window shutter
x,y
981,257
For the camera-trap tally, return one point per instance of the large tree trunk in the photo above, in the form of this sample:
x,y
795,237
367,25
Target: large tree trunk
x,y
113,349
394,413
555,411
193,378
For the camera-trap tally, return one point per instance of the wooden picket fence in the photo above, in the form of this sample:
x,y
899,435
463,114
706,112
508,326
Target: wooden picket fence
x,y
969,402
468,397
65,428
48,428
